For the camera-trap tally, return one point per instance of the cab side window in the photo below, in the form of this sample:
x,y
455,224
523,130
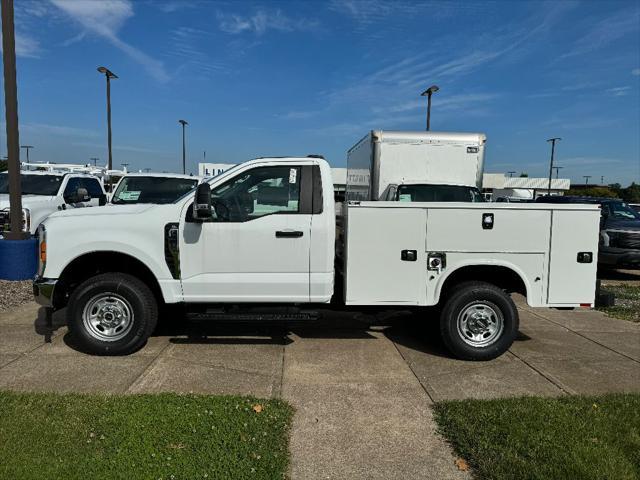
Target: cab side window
x,y
256,193
72,186
93,187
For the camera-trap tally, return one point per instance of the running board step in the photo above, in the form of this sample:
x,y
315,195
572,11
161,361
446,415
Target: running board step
x,y
251,317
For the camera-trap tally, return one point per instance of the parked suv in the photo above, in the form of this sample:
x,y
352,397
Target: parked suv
x,y
44,193
619,229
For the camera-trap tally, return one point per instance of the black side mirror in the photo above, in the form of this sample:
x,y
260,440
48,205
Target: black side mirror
x,y
102,200
202,204
79,196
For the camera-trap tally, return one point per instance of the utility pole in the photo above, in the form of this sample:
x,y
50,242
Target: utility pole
x,y
27,148
602,180
147,170
557,169
95,161
11,115
427,93
184,151
586,179
553,149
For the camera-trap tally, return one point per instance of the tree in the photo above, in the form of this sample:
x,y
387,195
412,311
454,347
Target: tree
x,y
602,192
524,175
631,194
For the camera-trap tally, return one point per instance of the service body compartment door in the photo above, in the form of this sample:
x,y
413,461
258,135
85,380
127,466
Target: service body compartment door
x,y
377,271
573,232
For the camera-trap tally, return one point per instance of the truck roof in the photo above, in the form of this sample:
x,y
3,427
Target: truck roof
x,y
396,135
162,175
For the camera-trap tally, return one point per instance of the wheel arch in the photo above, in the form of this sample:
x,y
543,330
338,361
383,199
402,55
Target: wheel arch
x,y
503,275
94,263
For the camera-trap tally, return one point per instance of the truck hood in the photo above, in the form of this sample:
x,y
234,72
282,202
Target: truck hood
x,y
28,201
106,210
629,225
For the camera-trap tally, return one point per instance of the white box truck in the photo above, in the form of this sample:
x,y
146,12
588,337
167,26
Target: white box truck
x,y
259,239
438,166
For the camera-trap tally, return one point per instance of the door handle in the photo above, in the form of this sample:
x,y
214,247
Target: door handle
x,y
288,234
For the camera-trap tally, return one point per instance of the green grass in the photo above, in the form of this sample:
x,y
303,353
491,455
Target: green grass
x,y
627,305
538,438
167,436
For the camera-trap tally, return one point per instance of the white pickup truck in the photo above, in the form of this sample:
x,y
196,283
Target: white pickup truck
x,y
46,192
261,237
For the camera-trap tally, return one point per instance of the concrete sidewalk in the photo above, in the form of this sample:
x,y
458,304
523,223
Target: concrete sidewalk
x,y
362,393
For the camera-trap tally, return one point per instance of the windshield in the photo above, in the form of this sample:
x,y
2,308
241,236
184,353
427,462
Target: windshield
x,y
622,211
157,190
438,193
34,184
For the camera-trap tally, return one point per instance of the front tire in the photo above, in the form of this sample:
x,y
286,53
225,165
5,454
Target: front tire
x,y
111,314
479,321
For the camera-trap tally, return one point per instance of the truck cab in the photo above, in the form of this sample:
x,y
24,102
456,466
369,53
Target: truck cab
x,y
46,192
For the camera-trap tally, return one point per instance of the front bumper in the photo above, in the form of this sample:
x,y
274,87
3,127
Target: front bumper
x,y
43,291
619,257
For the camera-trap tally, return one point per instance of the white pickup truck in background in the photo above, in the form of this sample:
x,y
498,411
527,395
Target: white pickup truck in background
x,y
261,237
156,188
46,192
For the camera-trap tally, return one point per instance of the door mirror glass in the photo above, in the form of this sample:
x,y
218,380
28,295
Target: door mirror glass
x,y
202,204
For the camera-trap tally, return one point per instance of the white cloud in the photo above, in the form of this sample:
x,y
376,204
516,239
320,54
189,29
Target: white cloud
x,y
606,31
262,21
619,91
105,18
635,71
27,46
57,130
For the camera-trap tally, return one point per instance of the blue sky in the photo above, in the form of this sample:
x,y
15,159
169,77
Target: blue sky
x,y
293,78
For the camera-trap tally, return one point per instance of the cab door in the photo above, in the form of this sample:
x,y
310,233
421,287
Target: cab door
x,y
256,248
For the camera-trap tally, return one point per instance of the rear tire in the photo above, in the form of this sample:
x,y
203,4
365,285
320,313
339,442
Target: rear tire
x,y
111,314
479,321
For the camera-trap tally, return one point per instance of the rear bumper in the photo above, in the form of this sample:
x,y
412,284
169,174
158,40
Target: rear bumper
x,y
43,291
619,257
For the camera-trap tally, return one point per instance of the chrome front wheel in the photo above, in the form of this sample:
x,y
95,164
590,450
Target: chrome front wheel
x,y
108,317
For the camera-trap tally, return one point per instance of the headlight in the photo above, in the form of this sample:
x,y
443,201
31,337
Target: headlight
x,y
42,250
26,220
610,238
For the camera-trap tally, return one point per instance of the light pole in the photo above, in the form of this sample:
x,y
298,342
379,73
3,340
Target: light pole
x,y
184,151
427,93
553,149
95,161
510,174
586,179
27,148
108,75
557,169
124,166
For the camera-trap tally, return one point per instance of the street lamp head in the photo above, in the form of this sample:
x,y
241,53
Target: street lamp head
x,y
430,90
183,122
554,139
107,72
